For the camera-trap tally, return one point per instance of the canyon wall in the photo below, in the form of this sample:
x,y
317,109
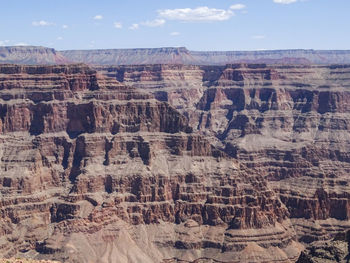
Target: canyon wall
x,y
290,123
173,163
92,170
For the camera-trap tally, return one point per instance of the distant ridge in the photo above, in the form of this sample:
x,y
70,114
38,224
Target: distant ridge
x,y
169,55
32,55
166,55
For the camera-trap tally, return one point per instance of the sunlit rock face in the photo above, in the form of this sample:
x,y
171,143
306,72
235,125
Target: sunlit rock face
x,y
92,170
290,123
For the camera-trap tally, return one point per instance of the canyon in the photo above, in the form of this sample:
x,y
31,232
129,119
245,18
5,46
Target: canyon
x,y
180,162
96,171
291,123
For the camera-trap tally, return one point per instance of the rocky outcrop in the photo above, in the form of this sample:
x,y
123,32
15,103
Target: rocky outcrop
x,y
291,123
94,171
336,250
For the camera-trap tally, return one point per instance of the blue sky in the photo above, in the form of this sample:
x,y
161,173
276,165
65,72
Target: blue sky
x,y
195,24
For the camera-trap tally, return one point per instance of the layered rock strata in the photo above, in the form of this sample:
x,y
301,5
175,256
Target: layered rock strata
x,y
291,123
94,171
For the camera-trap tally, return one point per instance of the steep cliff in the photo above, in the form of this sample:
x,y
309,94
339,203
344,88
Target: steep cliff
x,y
94,171
291,123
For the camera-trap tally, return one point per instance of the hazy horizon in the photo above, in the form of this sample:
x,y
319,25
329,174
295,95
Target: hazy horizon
x,y
257,50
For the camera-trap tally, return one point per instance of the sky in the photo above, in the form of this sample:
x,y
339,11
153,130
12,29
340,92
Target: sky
x,y
196,24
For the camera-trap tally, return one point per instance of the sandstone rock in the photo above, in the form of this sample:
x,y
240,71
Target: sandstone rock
x,y
95,171
289,122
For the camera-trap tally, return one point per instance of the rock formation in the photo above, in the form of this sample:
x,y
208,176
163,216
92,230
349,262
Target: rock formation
x,y
290,123
336,250
92,170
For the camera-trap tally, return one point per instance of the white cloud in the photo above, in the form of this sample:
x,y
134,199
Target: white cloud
x,y
59,38
21,44
4,42
237,7
202,13
65,26
285,2
134,26
175,33
258,37
98,17
153,23
42,23
118,25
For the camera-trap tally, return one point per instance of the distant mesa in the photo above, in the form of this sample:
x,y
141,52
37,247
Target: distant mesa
x,y
31,55
37,55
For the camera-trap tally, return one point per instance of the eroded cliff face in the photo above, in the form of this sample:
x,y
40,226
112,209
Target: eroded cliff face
x,y
95,171
291,123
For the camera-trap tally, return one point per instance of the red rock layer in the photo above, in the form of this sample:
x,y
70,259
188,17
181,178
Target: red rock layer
x,y
92,170
289,122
